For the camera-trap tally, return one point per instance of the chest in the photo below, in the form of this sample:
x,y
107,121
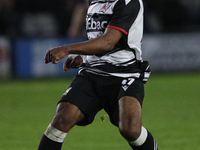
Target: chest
x,y
99,16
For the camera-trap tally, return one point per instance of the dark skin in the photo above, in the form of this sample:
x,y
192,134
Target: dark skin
x,y
95,46
127,117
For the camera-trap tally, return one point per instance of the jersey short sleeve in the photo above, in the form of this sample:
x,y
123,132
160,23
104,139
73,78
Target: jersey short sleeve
x,y
125,13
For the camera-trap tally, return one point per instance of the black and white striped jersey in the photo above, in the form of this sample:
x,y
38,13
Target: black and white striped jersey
x,y
123,15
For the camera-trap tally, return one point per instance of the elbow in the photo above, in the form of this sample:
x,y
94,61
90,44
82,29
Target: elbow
x,y
106,43
105,47
108,46
110,39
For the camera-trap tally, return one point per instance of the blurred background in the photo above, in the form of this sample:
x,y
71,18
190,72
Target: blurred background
x,y
171,44
28,28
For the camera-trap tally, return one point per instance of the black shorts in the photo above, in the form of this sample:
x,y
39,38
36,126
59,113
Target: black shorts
x,y
91,93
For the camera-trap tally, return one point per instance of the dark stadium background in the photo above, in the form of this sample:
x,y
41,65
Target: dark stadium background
x,y
29,89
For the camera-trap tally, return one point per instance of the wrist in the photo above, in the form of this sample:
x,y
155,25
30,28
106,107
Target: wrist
x,y
65,49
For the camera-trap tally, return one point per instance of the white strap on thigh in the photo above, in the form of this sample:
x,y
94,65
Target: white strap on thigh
x,y
55,134
141,139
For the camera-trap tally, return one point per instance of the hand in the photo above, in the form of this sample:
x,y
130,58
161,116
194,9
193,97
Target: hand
x,y
72,63
54,55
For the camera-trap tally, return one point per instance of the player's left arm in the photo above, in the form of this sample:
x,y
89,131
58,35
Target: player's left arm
x,y
94,46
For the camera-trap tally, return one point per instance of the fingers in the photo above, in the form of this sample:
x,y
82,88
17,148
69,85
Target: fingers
x,y
69,63
49,57
66,65
72,63
55,61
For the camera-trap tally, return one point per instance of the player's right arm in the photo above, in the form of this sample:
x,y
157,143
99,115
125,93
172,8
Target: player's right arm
x,y
94,46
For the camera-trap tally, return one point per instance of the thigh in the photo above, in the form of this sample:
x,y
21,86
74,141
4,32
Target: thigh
x,y
130,89
67,115
130,118
81,94
126,112
130,112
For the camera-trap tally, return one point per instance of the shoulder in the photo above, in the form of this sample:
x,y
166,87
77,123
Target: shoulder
x,y
127,7
128,3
